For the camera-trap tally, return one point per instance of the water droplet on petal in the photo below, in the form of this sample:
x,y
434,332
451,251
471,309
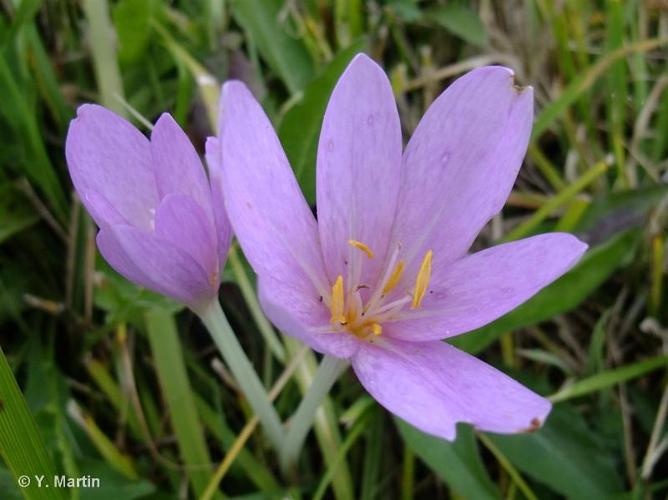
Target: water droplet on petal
x,y
369,120
330,145
445,157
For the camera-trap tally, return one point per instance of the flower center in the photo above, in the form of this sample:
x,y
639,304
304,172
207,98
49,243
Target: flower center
x,y
364,319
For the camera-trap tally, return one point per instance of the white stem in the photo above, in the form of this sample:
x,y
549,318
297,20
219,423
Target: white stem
x,y
329,371
215,321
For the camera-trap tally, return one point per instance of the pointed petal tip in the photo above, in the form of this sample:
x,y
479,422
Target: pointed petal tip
x,y
87,108
233,86
363,63
362,58
165,119
572,244
163,125
501,72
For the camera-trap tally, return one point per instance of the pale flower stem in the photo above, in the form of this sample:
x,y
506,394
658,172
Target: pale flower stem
x,y
329,371
215,321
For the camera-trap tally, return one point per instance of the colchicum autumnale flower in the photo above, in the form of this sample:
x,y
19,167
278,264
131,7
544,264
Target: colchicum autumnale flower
x,y
152,201
383,275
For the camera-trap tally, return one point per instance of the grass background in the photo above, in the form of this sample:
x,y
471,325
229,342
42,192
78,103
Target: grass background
x,y
123,385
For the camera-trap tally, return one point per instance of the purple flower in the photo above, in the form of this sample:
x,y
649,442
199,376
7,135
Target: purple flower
x,y
384,274
152,202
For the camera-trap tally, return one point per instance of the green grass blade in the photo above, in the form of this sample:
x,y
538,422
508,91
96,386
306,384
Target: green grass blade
x,y
178,395
558,200
584,82
609,378
21,445
103,47
21,117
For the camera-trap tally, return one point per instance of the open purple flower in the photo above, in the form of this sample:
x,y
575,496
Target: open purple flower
x,y
384,274
152,202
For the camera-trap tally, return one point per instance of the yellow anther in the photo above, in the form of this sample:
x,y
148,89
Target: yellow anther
x,y
337,305
422,280
376,329
361,246
394,278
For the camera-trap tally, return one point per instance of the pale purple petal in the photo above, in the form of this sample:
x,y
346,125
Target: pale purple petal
x,y
479,288
181,221
177,166
358,169
301,315
433,386
269,215
110,164
461,163
154,263
223,226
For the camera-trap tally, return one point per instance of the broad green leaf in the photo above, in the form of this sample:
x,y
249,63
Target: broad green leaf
x,y
282,50
613,212
300,127
406,10
564,455
561,296
132,19
461,21
21,444
458,464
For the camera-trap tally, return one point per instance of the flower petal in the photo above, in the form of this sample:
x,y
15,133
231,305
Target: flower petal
x,y
108,157
461,163
176,164
358,170
433,386
182,222
268,212
223,226
481,287
154,263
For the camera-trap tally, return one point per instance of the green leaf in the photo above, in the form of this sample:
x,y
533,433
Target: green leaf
x,y
563,455
132,19
176,389
458,464
300,127
615,211
561,296
21,445
461,21
283,51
